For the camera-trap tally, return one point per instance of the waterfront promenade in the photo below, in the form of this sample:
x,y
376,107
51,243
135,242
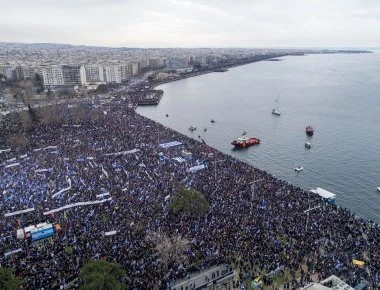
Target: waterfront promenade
x,y
103,153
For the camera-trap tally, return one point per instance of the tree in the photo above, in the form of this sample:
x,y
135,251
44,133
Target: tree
x,y
170,250
17,140
101,274
7,280
189,202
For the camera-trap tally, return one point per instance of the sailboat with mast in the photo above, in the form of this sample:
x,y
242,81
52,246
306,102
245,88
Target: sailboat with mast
x,y
276,111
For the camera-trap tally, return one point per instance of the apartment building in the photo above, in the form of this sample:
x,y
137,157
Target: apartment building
x,y
91,74
52,76
126,72
7,71
177,63
112,74
71,75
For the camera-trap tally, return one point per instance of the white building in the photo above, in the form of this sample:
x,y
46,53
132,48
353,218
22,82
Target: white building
x,y
112,74
52,76
7,71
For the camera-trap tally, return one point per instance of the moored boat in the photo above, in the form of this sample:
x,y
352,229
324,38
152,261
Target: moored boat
x,y
192,128
308,145
329,196
276,111
298,169
309,130
243,142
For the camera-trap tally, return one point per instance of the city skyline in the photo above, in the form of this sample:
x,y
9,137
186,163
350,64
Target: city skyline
x,y
193,23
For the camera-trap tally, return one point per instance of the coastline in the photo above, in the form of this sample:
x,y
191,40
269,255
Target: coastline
x,y
280,227
351,209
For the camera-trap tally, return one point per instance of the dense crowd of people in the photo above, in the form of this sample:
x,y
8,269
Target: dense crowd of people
x,y
103,151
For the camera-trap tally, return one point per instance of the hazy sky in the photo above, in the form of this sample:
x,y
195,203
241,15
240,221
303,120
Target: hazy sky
x,y
193,23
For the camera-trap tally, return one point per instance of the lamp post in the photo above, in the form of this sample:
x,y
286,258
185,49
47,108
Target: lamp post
x,y
217,161
307,211
252,185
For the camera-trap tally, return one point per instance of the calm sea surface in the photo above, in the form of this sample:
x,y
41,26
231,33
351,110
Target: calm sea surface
x,y
338,94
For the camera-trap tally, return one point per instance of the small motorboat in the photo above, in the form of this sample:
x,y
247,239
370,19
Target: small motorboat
x,y
205,129
308,145
167,115
276,111
192,128
378,188
244,133
298,168
212,121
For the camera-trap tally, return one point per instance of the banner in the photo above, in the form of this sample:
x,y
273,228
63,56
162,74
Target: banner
x,y
12,252
43,170
179,159
122,152
77,204
12,165
64,189
358,263
102,195
19,212
110,233
196,168
170,144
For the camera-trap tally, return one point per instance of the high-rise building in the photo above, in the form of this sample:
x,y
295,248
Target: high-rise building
x,y
90,74
52,76
136,70
30,72
126,72
112,74
156,63
7,71
19,73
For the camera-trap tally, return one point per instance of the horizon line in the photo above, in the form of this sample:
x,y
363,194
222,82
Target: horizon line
x,y
193,47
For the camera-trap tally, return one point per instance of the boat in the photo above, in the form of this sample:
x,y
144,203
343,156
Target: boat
x,y
205,129
244,133
192,128
329,196
378,188
298,168
309,130
212,121
275,111
167,115
243,142
308,145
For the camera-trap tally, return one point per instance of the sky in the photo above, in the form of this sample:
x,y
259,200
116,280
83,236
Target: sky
x,y
193,23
